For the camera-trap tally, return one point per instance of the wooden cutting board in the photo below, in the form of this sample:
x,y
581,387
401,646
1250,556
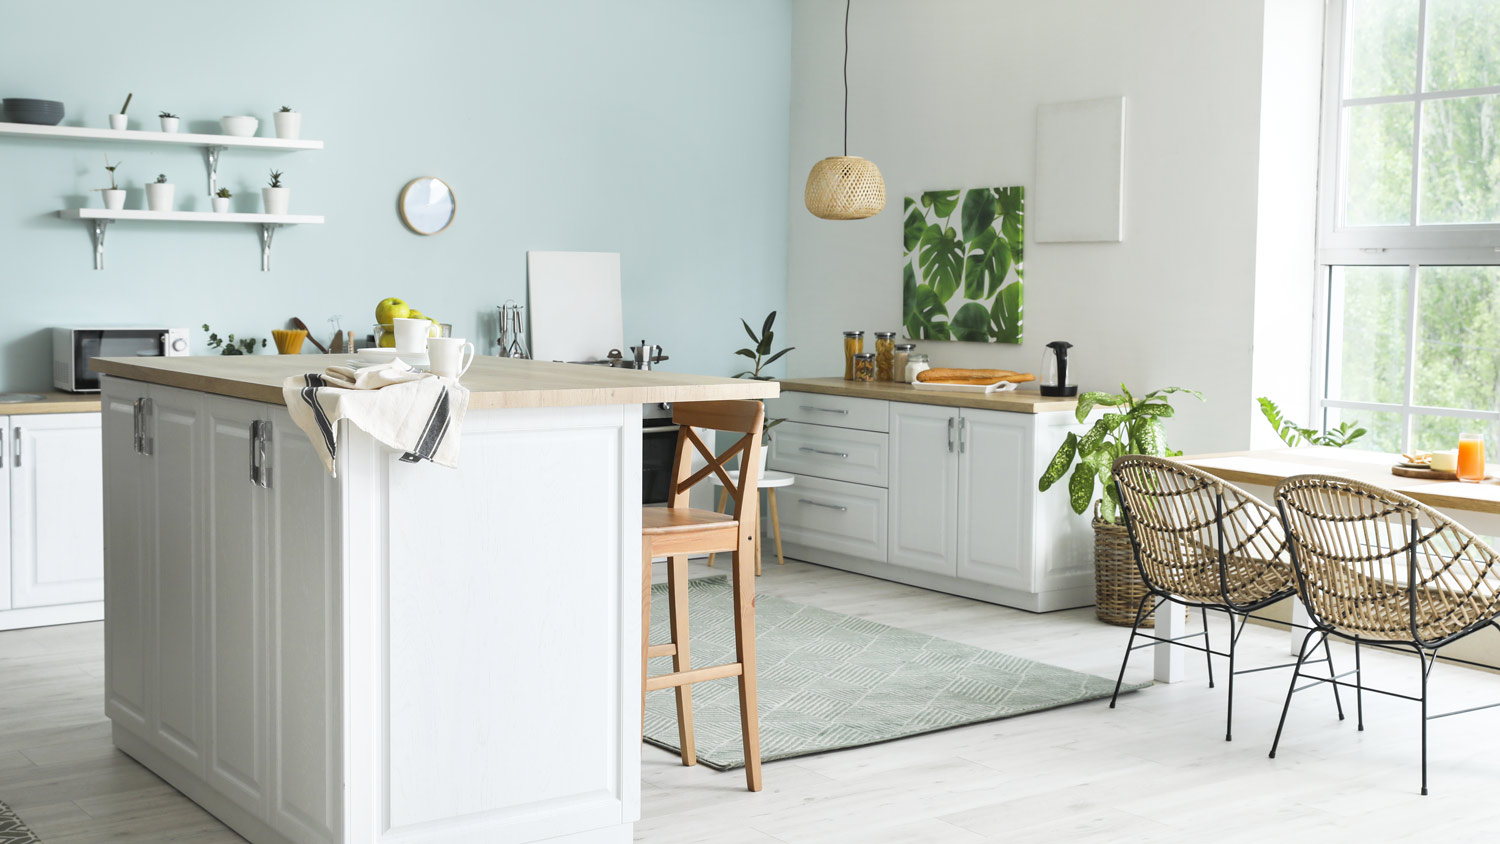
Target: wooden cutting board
x,y
1428,474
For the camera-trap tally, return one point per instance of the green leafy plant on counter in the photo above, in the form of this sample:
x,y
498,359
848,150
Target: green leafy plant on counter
x,y
760,353
1294,435
224,193
229,345
1134,427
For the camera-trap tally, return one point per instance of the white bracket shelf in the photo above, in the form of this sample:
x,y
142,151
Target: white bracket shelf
x,y
212,145
100,218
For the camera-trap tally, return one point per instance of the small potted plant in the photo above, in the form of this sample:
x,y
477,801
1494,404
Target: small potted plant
x,y
120,121
159,194
221,201
169,121
276,197
114,196
761,354
288,123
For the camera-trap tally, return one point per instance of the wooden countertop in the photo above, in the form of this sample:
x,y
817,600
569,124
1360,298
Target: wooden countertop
x,y
493,382
1020,400
53,402
1268,468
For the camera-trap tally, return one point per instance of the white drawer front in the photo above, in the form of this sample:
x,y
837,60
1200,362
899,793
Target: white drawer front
x,y
840,454
834,516
840,411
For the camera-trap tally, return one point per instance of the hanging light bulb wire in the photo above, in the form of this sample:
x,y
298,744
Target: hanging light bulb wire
x,y
847,4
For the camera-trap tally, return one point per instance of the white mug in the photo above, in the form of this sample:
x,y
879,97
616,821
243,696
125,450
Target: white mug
x,y
411,335
445,356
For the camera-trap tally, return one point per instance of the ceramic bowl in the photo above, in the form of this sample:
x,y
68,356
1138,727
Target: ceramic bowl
x,y
239,126
35,112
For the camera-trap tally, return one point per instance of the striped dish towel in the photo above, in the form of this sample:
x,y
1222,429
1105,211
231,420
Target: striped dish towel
x,y
413,412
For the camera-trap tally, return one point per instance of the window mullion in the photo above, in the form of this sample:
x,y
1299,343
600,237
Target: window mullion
x,y
1409,392
1416,120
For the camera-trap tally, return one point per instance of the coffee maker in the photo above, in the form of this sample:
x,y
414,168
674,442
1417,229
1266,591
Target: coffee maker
x,y
1057,374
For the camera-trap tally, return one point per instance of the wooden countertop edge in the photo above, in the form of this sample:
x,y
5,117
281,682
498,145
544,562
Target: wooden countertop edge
x,y
1013,402
54,403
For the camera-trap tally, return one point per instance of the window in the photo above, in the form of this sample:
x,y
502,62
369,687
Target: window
x,y
1409,221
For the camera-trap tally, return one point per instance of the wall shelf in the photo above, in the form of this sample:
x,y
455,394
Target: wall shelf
x,y
212,145
100,218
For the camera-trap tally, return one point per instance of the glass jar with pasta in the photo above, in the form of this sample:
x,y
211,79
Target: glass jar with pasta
x,y
885,354
854,343
864,367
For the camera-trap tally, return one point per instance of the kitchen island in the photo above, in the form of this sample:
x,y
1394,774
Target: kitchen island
x,y
402,653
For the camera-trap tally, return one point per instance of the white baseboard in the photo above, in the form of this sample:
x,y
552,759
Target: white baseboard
x,y
48,616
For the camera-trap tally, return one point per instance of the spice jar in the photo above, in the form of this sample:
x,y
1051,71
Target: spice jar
x,y
854,343
899,357
885,353
864,367
916,363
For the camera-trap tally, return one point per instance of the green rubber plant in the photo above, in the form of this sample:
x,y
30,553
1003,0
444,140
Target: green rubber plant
x,y
1134,427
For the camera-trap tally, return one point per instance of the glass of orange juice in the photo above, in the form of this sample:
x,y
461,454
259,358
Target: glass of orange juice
x,y
1470,458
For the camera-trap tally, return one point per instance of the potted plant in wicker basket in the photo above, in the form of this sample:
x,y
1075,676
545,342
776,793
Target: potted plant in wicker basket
x,y
1132,426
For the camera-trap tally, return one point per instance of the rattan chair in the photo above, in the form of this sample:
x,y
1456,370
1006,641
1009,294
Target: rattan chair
x,y
1379,568
1201,542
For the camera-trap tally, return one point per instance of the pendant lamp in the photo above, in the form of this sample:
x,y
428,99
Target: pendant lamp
x,y
845,187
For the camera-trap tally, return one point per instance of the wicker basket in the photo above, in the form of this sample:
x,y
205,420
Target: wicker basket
x,y
1117,581
844,187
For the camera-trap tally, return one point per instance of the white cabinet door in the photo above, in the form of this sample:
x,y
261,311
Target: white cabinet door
x,y
128,570
56,510
234,541
173,424
4,513
924,487
995,491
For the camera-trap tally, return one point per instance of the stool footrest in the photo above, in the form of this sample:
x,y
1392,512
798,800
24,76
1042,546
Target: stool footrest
x,y
696,675
669,649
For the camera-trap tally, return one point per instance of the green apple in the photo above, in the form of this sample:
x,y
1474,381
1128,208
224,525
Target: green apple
x,y
390,310
388,340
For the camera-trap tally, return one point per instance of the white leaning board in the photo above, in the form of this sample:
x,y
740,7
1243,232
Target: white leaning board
x,y
575,304
1080,158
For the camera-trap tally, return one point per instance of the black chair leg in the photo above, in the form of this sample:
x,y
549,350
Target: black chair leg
x,y
1333,675
1234,640
1291,688
1422,660
1207,647
1359,687
1140,613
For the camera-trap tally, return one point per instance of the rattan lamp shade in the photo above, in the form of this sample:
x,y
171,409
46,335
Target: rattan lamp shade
x,y
844,187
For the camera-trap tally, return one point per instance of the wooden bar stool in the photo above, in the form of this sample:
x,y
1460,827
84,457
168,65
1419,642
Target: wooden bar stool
x,y
770,482
675,531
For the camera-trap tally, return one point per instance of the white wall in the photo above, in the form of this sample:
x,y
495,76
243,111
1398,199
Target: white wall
x,y
943,94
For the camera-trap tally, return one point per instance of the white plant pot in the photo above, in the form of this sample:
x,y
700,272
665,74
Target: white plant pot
x,y
159,196
221,205
169,124
288,125
119,121
276,199
114,199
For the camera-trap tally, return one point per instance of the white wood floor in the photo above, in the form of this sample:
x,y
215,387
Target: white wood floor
x,y
1157,768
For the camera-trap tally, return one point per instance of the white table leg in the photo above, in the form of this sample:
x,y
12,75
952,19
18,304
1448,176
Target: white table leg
x,y
1299,616
1171,623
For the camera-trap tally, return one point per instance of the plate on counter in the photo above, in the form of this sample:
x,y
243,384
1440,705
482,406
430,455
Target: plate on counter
x,y
371,356
997,387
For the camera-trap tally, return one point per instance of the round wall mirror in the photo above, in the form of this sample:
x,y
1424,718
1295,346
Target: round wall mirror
x,y
427,205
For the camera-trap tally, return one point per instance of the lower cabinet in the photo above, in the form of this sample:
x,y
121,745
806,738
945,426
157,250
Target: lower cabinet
x,y
959,509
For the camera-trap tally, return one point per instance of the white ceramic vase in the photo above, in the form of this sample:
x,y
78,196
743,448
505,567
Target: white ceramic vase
x,y
169,124
276,199
288,125
159,196
118,121
114,199
221,205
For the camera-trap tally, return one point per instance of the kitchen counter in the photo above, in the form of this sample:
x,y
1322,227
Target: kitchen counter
x,y
53,402
493,382
1024,399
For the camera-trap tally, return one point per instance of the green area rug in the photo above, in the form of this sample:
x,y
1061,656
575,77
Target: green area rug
x,y
12,831
830,681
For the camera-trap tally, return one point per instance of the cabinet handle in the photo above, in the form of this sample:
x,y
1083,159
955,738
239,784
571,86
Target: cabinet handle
x,y
963,435
15,451
262,442
255,452
824,409
950,434
821,504
839,454
148,442
135,420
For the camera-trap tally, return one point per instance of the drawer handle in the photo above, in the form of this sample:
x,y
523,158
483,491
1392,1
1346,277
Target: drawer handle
x,y
825,409
838,454
821,504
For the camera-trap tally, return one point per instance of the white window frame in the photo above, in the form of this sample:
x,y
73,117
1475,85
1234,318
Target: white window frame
x,y
1412,245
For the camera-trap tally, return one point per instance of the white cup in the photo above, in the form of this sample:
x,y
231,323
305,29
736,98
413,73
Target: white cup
x,y
445,356
411,335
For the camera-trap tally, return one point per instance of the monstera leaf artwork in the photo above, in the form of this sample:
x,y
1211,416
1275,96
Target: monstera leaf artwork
x,y
962,279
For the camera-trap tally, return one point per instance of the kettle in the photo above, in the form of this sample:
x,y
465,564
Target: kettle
x,y
1057,375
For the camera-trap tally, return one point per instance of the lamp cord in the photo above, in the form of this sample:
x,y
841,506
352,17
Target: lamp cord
x,y
847,4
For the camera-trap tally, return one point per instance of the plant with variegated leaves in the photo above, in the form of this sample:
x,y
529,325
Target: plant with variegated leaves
x,y
1134,427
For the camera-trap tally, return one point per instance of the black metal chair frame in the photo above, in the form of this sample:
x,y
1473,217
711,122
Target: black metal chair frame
x,y
1231,609
1426,652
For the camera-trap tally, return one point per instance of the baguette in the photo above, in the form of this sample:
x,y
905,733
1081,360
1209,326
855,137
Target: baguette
x,y
944,375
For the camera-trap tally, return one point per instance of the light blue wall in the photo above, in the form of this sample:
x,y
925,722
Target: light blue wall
x,y
655,128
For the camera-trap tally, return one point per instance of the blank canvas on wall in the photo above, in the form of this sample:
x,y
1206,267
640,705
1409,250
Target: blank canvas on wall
x,y
1080,156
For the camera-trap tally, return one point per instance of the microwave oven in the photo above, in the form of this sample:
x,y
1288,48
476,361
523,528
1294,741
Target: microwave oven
x,y
72,348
